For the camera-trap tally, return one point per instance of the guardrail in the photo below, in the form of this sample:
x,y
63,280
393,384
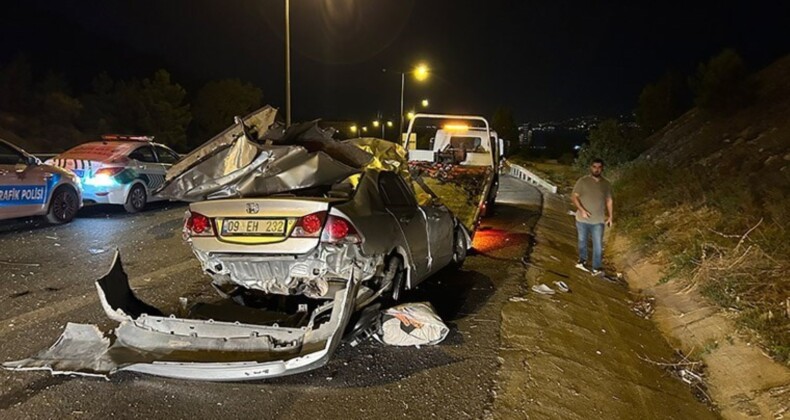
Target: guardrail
x,y
526,175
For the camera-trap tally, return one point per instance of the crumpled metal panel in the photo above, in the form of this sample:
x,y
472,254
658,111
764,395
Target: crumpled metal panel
x,y
259,158
80,350
257,121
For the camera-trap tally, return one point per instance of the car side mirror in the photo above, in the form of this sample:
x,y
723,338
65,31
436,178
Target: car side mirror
x,y
20,167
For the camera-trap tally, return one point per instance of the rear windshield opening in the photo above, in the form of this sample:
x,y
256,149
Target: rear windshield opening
x,y
344,190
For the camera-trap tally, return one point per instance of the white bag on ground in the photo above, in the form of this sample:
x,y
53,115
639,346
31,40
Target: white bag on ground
x,y
412,324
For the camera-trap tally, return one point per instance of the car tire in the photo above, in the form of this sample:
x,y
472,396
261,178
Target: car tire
x,y
491,201
136,199
460,248
63,206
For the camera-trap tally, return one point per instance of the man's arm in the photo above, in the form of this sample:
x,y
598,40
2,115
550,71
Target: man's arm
x,y
576,202
609,210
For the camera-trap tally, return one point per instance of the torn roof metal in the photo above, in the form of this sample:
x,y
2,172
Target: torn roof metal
x,y
257,157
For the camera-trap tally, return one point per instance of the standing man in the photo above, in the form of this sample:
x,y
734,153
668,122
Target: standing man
x,y
592,196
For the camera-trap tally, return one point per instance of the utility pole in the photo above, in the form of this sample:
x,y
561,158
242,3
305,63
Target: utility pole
x,y
402,89
288,63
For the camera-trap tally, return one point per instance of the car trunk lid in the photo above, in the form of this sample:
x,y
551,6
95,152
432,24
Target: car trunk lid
x,y
258,222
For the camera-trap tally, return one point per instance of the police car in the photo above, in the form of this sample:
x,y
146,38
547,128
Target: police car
x,y
30,188
119,169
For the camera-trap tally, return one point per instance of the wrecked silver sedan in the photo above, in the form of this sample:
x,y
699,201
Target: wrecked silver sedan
x,y
300,232
311,242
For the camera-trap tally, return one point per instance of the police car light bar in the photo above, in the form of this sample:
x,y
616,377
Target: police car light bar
x,y
124,137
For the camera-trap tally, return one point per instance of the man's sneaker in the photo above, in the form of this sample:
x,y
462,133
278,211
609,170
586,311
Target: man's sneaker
x,y
597,273
580,266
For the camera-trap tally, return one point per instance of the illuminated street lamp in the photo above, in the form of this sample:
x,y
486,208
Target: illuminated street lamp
x,y
424,103
364,129
353,128
421,73
376,123
389,124
410,115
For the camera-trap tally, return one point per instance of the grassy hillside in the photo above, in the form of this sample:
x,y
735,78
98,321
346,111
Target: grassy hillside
x,y
709,198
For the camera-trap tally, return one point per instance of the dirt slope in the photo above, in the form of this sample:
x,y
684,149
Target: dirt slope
x,y
705,212
753,142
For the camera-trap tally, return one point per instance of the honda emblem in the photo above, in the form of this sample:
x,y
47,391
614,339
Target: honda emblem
x,y
253,208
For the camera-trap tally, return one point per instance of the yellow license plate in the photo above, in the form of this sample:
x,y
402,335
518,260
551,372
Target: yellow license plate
x,y
247,227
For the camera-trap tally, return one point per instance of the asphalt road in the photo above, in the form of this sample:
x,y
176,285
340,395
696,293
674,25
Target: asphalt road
x,y
46,280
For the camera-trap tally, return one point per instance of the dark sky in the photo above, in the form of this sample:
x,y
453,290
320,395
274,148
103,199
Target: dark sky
x,y
544,59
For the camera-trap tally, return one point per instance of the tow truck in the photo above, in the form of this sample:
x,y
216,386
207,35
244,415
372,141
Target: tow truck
x,y
460,166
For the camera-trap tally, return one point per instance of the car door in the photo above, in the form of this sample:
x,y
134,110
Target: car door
x,y
23,186
401,204
148,167
166,158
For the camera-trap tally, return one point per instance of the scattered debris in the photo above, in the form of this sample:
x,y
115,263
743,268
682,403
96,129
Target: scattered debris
x,y
562,286
20,264
689,371
96,251
412,324
542,289
643,307
517,299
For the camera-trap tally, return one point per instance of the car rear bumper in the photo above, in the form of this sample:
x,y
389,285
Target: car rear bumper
x,y
147,341
105,195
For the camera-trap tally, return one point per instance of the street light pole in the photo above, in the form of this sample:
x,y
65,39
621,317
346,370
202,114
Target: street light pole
x,y
287,63
402,88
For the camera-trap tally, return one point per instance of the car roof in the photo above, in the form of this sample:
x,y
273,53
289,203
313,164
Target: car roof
x,y
105,150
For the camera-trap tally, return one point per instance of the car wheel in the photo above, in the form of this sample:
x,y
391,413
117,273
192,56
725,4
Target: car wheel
x,y
492,200
63,206
460,246
136,199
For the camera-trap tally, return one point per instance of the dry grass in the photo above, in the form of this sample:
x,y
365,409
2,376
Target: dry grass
x,y
726,239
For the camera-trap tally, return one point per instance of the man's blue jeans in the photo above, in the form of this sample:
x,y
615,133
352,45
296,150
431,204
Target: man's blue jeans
x,y
596,231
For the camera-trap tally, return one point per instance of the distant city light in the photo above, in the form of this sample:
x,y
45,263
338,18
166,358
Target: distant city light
x,y
577,147
389,124
424,103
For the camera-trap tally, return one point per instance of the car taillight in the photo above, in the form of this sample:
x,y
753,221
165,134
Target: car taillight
x,y
338,230
198,225
104,177
108,171
309,226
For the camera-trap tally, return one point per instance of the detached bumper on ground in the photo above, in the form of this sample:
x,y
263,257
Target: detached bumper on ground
x,y
147,341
